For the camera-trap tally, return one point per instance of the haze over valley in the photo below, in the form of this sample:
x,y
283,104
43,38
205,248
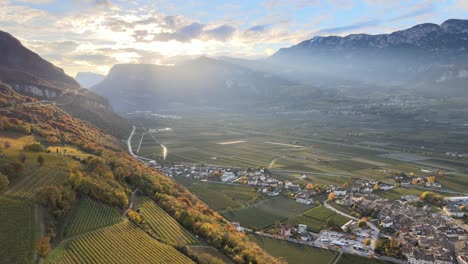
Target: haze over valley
x,y
233,132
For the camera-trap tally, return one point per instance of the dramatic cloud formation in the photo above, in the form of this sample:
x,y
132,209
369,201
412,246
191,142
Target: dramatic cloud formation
x,y
93,35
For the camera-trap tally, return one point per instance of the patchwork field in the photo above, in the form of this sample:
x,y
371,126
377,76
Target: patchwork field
x,y
17,230
91,215
120,243
167,229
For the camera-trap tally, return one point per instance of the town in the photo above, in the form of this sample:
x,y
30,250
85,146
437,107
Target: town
x,y
412,229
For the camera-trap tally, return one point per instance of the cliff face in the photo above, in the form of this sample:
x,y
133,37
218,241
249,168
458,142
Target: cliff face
x,y
30,75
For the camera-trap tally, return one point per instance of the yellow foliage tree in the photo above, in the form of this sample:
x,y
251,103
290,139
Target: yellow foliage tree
x,y
367,241
376,187
43,246
331,196
309,186
431,179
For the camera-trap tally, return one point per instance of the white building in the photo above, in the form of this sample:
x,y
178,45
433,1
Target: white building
x,y
228,176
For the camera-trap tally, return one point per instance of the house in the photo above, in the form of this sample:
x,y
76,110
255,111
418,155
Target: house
x,y
285,230
237,226
386,187
347,200
292,187
410,198
453,211
304,201
387,222
228,176
340,192
301,228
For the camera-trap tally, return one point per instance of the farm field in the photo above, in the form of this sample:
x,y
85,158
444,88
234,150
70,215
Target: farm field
x,y
223,196
166,228
316,218
353,259
294,253
17,230
120,243
396,193
35,179
91,215
266,212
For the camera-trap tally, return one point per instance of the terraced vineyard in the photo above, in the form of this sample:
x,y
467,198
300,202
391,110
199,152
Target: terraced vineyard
x,y
16,229
91,215
121,243
168,229
36,179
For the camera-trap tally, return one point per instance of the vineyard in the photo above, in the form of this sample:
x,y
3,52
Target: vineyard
x,y
36,179
16,230
120,243
91,215
167,229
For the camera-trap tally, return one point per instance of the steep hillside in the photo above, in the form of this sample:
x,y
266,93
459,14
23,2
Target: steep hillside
x,y
426,56
28,74
202,82
109,176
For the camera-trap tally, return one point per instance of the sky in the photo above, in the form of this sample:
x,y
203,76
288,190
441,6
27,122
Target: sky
x,y
94,35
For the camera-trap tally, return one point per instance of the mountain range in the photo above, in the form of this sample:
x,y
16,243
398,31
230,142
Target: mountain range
x,y
426,60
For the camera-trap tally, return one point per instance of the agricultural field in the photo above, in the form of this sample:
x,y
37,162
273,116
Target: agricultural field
x,y
266,212
316,218
294,253
396,193
166,227
353,259
35,179
120,243
220,197
91,215
17,230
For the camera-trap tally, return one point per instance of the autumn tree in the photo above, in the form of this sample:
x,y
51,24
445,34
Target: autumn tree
x,y
43,246
394,242
431,179
40,160
376,187
134,216
414,181
331,196
4,182
367,241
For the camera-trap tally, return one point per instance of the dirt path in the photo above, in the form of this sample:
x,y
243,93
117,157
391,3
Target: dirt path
x,y
39,228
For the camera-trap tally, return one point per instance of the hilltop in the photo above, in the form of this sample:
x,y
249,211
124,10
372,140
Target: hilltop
x,y
29,74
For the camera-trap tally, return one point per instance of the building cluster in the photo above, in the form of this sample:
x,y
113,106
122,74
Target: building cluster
x,y
425,236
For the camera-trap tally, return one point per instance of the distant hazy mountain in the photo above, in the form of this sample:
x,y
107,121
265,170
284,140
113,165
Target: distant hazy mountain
x,y
424,55
89,79
202,82
28,74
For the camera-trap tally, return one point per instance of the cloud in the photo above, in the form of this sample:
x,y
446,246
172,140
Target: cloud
x,y
351,27
221,33
258,28
35,1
